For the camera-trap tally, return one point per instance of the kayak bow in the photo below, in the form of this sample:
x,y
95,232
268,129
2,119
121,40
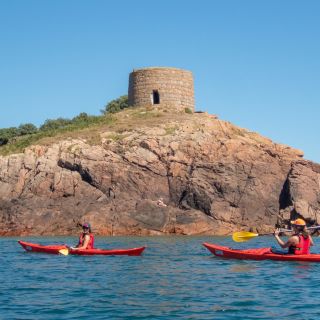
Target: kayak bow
x,y
33,247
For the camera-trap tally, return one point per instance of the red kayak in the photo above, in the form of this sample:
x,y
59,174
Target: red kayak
x,y
104,252
63,249
258,254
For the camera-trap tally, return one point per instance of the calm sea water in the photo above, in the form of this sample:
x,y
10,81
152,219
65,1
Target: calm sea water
x,y
175,278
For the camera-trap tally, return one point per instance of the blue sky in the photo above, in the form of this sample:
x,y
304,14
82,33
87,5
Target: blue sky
x,y
255,63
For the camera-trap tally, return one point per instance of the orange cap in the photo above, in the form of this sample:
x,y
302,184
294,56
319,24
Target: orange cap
x,y
298,222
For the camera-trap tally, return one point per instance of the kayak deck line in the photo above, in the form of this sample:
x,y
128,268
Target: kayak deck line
x,y
257,254
58,249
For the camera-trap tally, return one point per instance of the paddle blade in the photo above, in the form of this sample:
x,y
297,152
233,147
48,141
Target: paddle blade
x,y
64,252
243,236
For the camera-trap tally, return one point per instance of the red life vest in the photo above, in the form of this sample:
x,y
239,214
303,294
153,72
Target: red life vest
x,y
91,241
303,247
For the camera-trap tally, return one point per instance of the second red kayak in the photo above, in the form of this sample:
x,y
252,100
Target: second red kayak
x,y
57,249
258,254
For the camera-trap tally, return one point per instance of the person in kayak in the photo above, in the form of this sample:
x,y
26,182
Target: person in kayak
x,y
300,241
86,238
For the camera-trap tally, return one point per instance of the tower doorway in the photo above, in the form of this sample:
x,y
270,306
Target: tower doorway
x,y
155,97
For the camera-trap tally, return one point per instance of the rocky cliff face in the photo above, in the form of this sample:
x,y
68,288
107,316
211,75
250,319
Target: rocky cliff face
x,y
213,178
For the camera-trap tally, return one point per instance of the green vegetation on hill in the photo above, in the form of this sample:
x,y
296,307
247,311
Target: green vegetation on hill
x,y
15,139
84,126
52,128
116,105
8,133
81,121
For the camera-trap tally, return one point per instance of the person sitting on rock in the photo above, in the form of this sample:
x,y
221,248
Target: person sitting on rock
x,y
86,238
160,203
300,242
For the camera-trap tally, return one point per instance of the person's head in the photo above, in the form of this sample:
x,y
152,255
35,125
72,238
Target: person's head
x,y
86,227
298,224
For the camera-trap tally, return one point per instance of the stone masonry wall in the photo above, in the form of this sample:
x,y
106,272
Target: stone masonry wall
x,y
175,87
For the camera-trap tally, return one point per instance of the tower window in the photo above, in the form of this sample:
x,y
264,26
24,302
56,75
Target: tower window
x,y
155,97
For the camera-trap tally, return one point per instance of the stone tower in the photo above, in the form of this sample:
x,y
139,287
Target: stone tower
x,y
161,87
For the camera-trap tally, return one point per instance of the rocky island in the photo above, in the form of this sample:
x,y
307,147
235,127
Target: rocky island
x,y
156,168
151,172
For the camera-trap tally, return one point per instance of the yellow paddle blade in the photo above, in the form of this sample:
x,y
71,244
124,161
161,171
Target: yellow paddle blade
x,y
243,236
64,252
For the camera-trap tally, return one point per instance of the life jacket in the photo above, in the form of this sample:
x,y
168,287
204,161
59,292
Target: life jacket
x,y
303,247
91,241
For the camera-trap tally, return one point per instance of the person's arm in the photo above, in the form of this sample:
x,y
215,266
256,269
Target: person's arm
x,y
309,233
311,241
291,241
85,243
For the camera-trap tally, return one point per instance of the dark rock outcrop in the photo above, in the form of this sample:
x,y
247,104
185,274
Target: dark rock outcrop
x,y
213,177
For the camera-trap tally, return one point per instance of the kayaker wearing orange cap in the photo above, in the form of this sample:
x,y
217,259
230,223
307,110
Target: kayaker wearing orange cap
x,y
300,241
86,238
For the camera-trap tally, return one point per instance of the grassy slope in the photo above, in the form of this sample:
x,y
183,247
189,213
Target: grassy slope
x,y
128,119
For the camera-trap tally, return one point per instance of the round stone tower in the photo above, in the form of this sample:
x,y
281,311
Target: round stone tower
x,y
161,87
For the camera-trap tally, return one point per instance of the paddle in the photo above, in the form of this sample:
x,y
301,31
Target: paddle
x,y
64,252
242,236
